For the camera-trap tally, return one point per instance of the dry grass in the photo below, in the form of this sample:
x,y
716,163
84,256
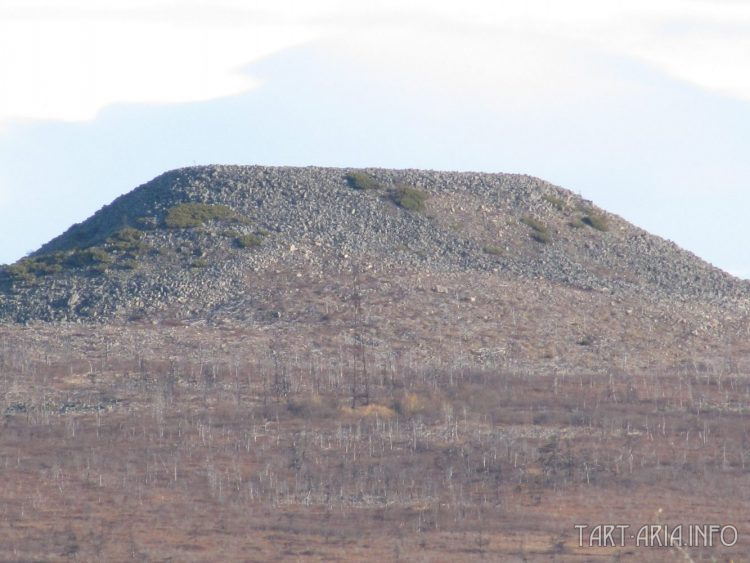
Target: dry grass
x,y
489,433
173,442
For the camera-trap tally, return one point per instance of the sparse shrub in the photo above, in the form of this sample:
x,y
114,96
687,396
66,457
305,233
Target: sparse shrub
x,y
191,215
148,222
85,234
20,272
493,249
555,201
370,410
533,223
541,236
539,230
247,241
313,406
100,267
596,221
41,268
128,234
576,224
126,240
362,181
89,257
409,198
199,263
409,404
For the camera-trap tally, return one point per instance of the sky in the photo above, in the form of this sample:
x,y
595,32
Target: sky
x,y
641,106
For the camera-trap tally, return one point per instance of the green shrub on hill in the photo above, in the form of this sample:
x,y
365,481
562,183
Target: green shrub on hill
x,y
94,257
596,221
555,201
191,215
245,241
493,250
126,240
409,198
539,231
362,181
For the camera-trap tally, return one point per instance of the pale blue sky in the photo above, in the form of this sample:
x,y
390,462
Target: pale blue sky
x,y
644,109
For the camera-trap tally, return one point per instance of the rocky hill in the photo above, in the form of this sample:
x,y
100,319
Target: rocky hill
x,y
212,242
249,363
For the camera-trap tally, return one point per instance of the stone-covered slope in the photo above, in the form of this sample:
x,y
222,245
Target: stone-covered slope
x,y
195,240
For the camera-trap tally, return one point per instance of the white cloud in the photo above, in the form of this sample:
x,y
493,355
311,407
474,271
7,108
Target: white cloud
x,y
702,42
67,59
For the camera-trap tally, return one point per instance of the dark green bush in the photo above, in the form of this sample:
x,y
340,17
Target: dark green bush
x,y
190,215
362,181
409,198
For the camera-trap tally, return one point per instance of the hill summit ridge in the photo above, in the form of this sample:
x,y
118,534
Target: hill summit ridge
x,y
199,242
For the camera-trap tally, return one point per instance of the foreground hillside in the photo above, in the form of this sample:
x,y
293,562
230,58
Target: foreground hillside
x,y
248,363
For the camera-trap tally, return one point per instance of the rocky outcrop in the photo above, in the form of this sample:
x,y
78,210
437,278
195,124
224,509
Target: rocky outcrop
x,y
127,261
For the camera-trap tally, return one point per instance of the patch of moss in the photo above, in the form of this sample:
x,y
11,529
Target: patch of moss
x,y
493,250
362,181
595,221
28,269
538,230
409,198
247,241
191,215
126,240
89,257
555,201
576,224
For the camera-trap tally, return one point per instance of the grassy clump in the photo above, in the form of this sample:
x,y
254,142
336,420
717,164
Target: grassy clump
x,y
555,201
576,224
362,181
95,257
28,269
493,250
248,241
409,198
539,231
199,263
126,240
128,235
191,215
20,271
595,221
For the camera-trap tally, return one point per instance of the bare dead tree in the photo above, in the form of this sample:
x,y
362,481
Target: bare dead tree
x,y
360,380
